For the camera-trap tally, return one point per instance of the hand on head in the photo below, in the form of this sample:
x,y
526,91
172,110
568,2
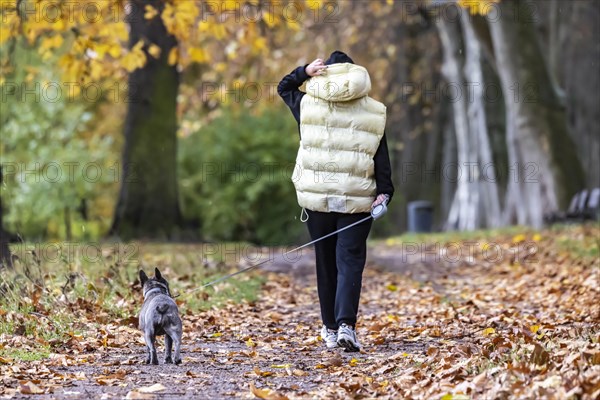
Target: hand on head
x,y
316,67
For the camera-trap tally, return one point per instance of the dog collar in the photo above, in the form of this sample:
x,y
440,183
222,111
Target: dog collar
x,y
154,290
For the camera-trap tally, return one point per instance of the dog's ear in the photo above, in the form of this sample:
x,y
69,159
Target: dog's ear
x,y
143,277
157,274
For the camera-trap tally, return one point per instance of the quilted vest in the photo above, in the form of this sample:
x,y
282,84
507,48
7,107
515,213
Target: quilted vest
x,y
340,129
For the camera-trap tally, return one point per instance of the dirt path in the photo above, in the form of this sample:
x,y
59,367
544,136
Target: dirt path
x,y
475,329
273,343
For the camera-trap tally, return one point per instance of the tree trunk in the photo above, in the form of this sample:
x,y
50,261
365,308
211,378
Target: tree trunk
x,y
489,206
545,169
476,202
148,201
462,213
493,100
415,113
553,44
449,157
568,33
580,54
5,256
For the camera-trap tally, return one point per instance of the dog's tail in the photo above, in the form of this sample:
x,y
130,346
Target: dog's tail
x,y
162,308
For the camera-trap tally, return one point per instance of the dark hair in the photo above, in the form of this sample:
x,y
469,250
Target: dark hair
x,y
338,57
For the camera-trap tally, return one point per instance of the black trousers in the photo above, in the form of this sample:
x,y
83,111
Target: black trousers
x,y
340,264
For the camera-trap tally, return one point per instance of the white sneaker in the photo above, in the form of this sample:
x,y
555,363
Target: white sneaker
x,y
346,338
329,336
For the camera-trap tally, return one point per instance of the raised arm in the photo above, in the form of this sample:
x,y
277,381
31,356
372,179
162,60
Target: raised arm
x,y
289,87
289,90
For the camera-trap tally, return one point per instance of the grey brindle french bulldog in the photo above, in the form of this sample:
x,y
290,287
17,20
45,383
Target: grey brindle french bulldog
x,y
160,316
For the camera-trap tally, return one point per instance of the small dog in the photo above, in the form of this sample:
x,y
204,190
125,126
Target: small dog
x,y
160,316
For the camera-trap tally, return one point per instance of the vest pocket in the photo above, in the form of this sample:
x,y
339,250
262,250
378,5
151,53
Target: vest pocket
x,y
337,203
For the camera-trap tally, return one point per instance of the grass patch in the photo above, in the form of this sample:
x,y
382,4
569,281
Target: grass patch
x,y
582,242
58,291
579,249
33,354
235,290
455,236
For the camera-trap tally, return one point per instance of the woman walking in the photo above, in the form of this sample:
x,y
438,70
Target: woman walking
x,y
342,171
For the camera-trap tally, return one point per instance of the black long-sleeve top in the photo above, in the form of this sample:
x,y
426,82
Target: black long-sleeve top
x,y
289,91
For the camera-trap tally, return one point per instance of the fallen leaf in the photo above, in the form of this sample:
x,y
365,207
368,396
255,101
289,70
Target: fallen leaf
x,y
451,396
135,395
334,361
488,331
258,372
157,387
280,365
30,388
266,394
534,328
432,351
519,238
299,372
351,387
539,356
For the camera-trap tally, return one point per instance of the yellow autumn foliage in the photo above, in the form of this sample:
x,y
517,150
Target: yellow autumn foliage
x,y
136,58
482,7
89,40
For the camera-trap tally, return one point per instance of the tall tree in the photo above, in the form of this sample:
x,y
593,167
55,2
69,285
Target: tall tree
x,y
476,203
405,73
151,46
463,210
148,201
568,33
543,159
489,202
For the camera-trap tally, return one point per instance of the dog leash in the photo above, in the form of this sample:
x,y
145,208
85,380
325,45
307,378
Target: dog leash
x,y
377,212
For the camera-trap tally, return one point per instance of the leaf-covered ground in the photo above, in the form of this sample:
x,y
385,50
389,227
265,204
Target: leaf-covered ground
x,y
480,316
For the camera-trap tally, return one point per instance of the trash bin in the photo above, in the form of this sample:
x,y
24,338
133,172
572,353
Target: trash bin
x,y
420,216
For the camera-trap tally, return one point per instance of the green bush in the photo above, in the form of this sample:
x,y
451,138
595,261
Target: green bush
x,y
234,176
54,168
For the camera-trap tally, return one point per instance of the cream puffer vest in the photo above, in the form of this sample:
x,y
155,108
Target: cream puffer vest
x,y
340,129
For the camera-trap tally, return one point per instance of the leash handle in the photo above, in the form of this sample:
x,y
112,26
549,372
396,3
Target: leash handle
x,y
380,209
